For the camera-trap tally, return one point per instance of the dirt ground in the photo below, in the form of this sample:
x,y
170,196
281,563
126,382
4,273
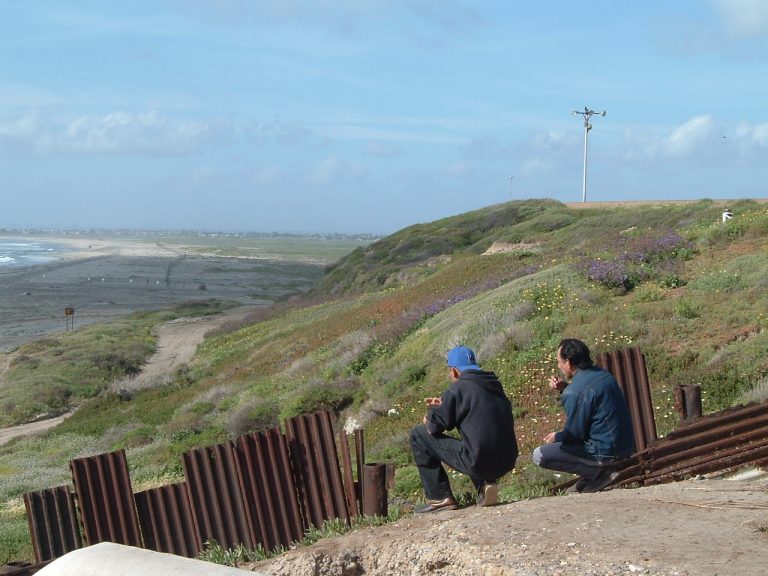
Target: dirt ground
x,y
702,527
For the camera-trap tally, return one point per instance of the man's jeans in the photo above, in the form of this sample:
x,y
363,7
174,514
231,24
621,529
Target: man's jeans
x,y
553,457
430,452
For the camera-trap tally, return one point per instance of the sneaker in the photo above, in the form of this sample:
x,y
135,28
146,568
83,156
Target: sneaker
x,y
576,488
488,495
437,505
601,481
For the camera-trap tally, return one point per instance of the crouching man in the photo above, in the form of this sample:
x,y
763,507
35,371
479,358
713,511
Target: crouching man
x,y
598,428
476,405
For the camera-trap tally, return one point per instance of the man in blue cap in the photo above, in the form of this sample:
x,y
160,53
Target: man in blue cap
x,y
476,405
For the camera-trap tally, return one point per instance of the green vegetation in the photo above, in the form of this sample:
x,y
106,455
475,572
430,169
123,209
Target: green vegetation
x,y
49,376
370,339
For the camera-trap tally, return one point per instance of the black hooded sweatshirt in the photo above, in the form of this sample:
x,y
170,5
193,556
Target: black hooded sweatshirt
x,y
477,406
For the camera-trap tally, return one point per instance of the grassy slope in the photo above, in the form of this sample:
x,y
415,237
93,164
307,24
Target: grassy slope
x,y
374,333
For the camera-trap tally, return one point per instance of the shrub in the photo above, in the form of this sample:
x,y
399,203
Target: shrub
x,y
648,293
687,309
609,274
254,416
126,361
719,281
320,395
758,393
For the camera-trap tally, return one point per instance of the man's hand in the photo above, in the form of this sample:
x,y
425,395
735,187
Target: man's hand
x,y
557,383
433,401
549,438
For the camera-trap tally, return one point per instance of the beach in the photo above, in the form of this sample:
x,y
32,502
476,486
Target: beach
x,y
101,279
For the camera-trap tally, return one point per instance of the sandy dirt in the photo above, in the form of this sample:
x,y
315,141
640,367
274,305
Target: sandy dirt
x,y
178,340
7,434
702,527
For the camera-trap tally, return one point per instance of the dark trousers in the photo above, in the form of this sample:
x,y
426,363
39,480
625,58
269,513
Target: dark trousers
x,y
553,457
429,453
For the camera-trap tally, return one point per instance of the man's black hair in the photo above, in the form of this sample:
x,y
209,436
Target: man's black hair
x,y
575,351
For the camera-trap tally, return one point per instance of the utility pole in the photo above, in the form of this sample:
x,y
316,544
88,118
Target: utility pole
x,y
511,189
587,113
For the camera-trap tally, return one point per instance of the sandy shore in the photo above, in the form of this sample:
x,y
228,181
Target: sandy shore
x,y
89,247
104,279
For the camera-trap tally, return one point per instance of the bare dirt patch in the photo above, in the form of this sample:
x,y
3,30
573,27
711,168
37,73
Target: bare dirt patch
x,y
697,527
178,340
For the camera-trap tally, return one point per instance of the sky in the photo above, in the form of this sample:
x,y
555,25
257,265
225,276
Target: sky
x,y
370,115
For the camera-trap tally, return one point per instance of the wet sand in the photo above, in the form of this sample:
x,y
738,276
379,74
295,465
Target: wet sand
x,y
102,280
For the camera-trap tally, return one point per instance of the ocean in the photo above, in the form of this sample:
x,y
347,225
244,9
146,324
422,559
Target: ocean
x,y
16,252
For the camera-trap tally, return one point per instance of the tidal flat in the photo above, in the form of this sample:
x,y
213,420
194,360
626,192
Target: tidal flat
x,y
103,279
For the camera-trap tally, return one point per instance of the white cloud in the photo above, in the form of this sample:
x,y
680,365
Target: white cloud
x,y
333,169
744,18
685,138
548,152
754,136
384,149
21,128
118,132
535,165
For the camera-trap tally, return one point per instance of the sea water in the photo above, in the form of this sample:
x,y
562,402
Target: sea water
x,y
26,252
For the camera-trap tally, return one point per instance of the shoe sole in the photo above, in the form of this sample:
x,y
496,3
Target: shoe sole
x,y
438,509
602,485
490,496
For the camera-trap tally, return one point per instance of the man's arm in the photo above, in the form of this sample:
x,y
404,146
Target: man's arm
x,y
578,416
442,416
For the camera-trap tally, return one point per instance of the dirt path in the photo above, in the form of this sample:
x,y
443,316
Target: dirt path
x,y
7,434
177,342
703,527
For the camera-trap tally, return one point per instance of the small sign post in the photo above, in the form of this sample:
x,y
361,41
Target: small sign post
x,y
69,314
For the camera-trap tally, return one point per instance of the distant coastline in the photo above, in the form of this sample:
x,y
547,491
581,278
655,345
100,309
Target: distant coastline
x,y
103,279
19,252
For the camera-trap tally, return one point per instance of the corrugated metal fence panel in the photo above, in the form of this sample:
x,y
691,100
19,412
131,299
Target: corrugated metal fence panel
x,y
269,492
104,494
215,496
714,443
346,471
628,367
166,520
53,522
316,466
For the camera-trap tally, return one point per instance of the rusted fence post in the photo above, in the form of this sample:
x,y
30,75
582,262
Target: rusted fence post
x,y
375,490
688,403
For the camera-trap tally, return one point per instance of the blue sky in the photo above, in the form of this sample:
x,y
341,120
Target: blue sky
x,y
370,115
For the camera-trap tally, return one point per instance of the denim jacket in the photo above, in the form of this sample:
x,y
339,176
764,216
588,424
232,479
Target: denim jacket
x,y
597,423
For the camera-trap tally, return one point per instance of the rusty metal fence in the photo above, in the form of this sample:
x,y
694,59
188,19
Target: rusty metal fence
x,y
713,443
161,512
105,498
628,367
271,500
52,522
262,489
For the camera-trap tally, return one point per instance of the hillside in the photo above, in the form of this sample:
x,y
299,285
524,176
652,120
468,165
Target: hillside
x,y
369,340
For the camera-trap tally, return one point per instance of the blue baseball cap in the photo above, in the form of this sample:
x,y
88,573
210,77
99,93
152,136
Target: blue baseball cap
x,y
462,358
